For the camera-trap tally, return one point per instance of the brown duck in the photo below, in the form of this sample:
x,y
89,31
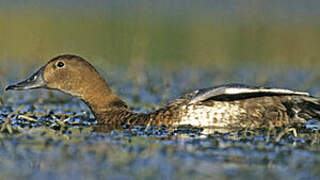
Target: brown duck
x,y
232,105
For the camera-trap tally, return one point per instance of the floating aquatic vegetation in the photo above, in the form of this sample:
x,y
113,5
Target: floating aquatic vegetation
x,y
57,137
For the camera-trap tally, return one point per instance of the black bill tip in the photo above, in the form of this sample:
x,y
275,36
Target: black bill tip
x,y
10,87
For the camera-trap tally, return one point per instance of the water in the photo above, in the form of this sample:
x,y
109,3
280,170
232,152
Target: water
x,y
54,136
150,53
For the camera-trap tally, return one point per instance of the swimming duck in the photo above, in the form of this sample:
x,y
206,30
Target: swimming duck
x,y
231,105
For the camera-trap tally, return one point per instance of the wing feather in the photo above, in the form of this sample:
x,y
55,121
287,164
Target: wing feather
x,y
241,89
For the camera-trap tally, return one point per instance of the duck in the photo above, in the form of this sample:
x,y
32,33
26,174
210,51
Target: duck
x,y
223,106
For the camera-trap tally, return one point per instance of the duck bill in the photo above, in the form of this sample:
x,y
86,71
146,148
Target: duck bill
x,y
32,82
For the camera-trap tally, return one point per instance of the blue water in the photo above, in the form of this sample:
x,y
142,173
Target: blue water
x,y
45,149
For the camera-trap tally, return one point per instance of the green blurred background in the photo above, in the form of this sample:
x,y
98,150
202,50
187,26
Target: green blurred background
x,y
201,33
144,47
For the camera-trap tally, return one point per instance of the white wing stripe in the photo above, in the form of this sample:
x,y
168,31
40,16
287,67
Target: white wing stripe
x,y
232,91
278,91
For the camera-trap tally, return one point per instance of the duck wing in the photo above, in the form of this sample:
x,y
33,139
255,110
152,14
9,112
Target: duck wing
x,y
238,91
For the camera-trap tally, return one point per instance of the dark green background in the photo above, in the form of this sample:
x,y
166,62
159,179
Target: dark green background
x,y
184,31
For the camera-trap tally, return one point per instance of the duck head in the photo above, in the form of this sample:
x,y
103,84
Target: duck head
x,y
73,75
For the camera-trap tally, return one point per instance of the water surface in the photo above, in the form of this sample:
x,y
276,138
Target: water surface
x,y
53,135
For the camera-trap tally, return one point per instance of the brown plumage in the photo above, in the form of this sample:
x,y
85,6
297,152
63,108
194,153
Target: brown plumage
x,y
232,105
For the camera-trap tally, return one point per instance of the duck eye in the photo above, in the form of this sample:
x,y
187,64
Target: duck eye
x,y
60,64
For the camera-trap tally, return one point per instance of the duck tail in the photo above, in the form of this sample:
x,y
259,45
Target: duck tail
x,y
306,107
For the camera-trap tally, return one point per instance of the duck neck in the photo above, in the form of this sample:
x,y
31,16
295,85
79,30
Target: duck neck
x,y
100,99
